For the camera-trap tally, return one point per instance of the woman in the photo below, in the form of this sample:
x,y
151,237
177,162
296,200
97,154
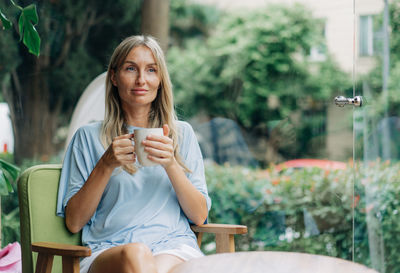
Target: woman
x,y
135,220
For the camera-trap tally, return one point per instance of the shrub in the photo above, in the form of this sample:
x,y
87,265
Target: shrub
x,y
255,70
310,210
9,203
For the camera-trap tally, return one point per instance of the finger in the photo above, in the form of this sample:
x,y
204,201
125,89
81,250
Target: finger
x,y
155,138
166,129
125,150
122,159
125,136
122,143
158,153
160,145
159,160
127,159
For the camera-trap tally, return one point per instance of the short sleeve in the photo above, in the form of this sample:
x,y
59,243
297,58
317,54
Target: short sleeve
x,y
77,166
193,159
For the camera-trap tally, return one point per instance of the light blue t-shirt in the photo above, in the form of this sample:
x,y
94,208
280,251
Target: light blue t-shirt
x,y
142,207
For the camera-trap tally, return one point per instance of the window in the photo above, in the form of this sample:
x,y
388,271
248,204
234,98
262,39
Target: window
x,y
318,51
370,36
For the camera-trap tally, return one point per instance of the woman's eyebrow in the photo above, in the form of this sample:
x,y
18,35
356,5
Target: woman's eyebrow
x,y
132,62
129,62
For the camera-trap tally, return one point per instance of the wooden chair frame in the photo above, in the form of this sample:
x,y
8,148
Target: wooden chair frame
x,y
71,253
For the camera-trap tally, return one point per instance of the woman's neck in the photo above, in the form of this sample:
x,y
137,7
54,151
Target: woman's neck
x,y
138,117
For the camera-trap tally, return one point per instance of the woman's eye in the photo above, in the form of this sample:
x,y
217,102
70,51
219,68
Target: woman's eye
x,y
152,70
130,68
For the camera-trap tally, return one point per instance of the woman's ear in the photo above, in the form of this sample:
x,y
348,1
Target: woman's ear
x,y
113,80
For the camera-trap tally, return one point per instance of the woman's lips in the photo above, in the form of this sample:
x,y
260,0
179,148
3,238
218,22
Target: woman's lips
x,y
139,91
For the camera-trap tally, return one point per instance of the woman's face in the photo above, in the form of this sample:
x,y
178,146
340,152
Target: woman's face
x,y
137,79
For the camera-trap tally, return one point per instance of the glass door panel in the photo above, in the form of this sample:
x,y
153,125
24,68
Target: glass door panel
x,y
377,135
282,152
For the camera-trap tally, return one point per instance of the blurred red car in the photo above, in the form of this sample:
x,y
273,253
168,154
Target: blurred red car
x,y
319,163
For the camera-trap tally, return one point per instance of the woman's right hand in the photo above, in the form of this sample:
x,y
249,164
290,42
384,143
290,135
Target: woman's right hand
x,y
120,152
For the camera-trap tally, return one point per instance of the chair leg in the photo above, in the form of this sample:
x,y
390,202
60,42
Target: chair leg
x,y
224,243
199,236
44,263
70,264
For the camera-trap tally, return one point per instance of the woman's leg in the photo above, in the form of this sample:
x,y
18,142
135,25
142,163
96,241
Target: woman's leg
x,y
165,262
129,258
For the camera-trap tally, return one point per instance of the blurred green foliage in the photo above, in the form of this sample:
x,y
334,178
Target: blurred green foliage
x,y
380,106
374,79
280,209
9,209
8,174
10,218
256,70
189,20
9,203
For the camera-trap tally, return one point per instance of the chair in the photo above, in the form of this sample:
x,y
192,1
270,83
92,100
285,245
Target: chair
x,y
44,232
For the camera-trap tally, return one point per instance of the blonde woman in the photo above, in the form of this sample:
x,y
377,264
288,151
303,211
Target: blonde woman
x,y
135,219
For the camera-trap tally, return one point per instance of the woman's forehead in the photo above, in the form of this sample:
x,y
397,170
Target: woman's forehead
x,y
141,54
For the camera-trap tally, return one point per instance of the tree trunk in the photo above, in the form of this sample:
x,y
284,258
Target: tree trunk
x,y
34,118
155,20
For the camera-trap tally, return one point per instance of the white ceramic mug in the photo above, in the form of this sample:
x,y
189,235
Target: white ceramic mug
x,y
139,136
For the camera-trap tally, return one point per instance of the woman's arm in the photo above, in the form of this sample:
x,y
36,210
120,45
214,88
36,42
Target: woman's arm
x,y
83,204
191,200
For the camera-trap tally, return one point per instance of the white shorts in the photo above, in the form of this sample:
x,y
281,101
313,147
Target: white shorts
x,y
184,252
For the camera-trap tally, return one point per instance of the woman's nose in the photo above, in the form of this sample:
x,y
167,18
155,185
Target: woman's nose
x,y
140,79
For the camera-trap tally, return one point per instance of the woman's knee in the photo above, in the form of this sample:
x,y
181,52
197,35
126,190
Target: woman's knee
x,y
129,258
134,252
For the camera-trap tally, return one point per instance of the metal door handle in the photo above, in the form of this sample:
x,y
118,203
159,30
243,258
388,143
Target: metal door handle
x,y
342,101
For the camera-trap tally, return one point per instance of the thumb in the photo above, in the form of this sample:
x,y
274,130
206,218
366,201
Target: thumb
x,y
166,130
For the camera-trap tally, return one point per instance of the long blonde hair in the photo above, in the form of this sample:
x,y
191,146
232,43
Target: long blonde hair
x,y
162,108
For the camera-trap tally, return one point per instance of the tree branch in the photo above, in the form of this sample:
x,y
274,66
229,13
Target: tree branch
x,y
91,19
99,19
66,46
44,58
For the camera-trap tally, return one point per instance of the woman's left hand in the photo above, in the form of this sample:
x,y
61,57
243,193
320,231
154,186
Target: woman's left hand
x,y
160,149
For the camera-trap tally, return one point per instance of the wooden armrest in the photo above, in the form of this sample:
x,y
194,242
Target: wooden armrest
x,y
223,235
50,248
70,256
220,228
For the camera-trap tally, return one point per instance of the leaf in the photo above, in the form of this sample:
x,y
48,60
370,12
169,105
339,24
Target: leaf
x,y
10,168
32,40
15,5
5,22
27,32
8,174
4,184
9,180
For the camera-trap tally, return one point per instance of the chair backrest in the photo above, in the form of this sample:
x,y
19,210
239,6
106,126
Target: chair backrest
x,y
37,192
